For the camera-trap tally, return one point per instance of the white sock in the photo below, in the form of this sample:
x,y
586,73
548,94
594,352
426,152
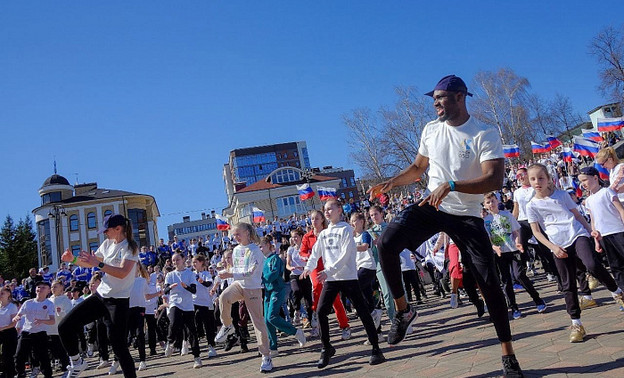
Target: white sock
x,y
577,322
617,292
588,297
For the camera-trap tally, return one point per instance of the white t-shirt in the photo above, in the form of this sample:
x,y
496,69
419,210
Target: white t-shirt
x,y
178,296
522,196
33,310
336,246
112,254
365,259
137,294
500,228
7,313
295,260
554,216
202,296
406,261
151,304
613,174
456,153
604,214
62,306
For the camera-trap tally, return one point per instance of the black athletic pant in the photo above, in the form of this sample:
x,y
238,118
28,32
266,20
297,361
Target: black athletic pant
x,y
351,290
542,252
301,289
178,320
57,351
204,320
37,343
8,341
150,319
136,328
114,314
411,280
613,246
415,225
366,280
513,260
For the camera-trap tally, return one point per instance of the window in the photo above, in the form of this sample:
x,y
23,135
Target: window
x,y
45,242
352,181
93,246
343,195
286,206
140,230
343,183
350,194
75,250
108,212
51,197
73,223
285,176
91,222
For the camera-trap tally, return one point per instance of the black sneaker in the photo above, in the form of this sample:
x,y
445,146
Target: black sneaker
x,y
511,367
402,320
230,343
480,307
244,348
376,357
326,354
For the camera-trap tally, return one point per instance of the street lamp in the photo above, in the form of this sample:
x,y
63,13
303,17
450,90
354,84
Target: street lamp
x,y
56,212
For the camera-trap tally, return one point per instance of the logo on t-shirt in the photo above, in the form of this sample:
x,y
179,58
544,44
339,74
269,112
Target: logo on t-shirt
x,y
466,147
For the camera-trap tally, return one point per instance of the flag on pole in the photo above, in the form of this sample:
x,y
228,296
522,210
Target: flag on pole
x,y
305,191
577,189
567,155
553,142
511,150
222,223
538,148
602,171
610,124
326,193
586,147
258,215
592,134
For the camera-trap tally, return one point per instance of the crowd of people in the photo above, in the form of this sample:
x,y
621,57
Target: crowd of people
x,y
479,230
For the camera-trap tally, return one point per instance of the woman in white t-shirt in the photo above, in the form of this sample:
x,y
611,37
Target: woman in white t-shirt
x,y
8,333
568,236
609,159
116,257
607,217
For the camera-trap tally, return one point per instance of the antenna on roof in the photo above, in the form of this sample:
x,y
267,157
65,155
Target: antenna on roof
x,y
54,164
76,173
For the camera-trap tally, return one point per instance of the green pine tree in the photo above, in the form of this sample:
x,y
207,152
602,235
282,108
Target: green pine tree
x,y
18,248
7,246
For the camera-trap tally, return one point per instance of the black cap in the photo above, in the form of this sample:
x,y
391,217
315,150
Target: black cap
x,y
450,83
111,221
590,171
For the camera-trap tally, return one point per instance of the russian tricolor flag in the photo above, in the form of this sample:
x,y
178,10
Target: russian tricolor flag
x,y
592,134
258,215
553,142
511,150
305,192
586,147
222,223
538,148
604,173
567,155
577,188
326,193
610,124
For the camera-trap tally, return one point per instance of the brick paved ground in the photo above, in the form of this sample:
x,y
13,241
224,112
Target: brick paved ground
x,y
446,343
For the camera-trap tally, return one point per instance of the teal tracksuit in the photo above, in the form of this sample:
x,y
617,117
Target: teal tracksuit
x,y
274,297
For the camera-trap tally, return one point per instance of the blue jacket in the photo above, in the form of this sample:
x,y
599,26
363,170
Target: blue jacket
x,y
272,273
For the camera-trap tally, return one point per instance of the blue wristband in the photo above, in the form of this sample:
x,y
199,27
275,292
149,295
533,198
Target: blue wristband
x,y
452,185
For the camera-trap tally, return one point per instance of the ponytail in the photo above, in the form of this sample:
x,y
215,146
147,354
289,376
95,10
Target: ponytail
x,y
132,244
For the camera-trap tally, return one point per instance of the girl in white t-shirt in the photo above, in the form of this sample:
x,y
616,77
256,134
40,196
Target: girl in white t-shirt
x,y
203,303
607,157
8,333
607,217
568,236
116,258
181,284
301,287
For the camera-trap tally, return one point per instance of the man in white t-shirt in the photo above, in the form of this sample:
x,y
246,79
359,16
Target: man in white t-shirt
x,y
465,159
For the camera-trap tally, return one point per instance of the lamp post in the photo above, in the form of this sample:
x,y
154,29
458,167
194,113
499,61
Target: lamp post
x,y
56,212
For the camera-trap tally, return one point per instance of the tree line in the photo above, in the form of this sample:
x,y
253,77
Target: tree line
x,y
385,141
18,248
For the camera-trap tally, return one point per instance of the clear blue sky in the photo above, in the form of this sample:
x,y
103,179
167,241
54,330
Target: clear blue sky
x,y
150,96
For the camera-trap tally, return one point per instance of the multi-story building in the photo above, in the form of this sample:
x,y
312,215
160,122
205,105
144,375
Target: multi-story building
x,y
194,229
71,215
347,188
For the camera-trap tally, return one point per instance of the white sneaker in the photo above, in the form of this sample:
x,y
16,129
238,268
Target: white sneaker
x,y
75,367
550,277
185,348
103,364
211,352
314,321
346,333
197,363
224,332
34,372
168,350
267,364
90,350
274,353
113,368
142,366
454,303
376,314
301,338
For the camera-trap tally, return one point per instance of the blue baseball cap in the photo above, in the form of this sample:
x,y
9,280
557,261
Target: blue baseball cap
x,y
450,83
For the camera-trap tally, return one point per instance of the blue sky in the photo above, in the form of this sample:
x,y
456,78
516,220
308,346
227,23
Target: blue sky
x,y
151,96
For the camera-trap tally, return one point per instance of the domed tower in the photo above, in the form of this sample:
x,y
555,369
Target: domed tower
x,y
55,188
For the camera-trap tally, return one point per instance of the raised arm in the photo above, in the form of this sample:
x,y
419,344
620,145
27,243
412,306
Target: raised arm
x,y
407,176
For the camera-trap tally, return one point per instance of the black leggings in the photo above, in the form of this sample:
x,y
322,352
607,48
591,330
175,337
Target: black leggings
x,y
366,279
178,320
114,314
204,320
136,328
412,281
613,246
513,260
415,225
351,290
57,350
96,332
37,344
8,341
542,252
301,289
150,320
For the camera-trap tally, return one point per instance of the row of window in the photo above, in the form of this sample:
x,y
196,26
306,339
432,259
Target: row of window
x,y
93,246
268,157
196,228
74,222
288,205
285,176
